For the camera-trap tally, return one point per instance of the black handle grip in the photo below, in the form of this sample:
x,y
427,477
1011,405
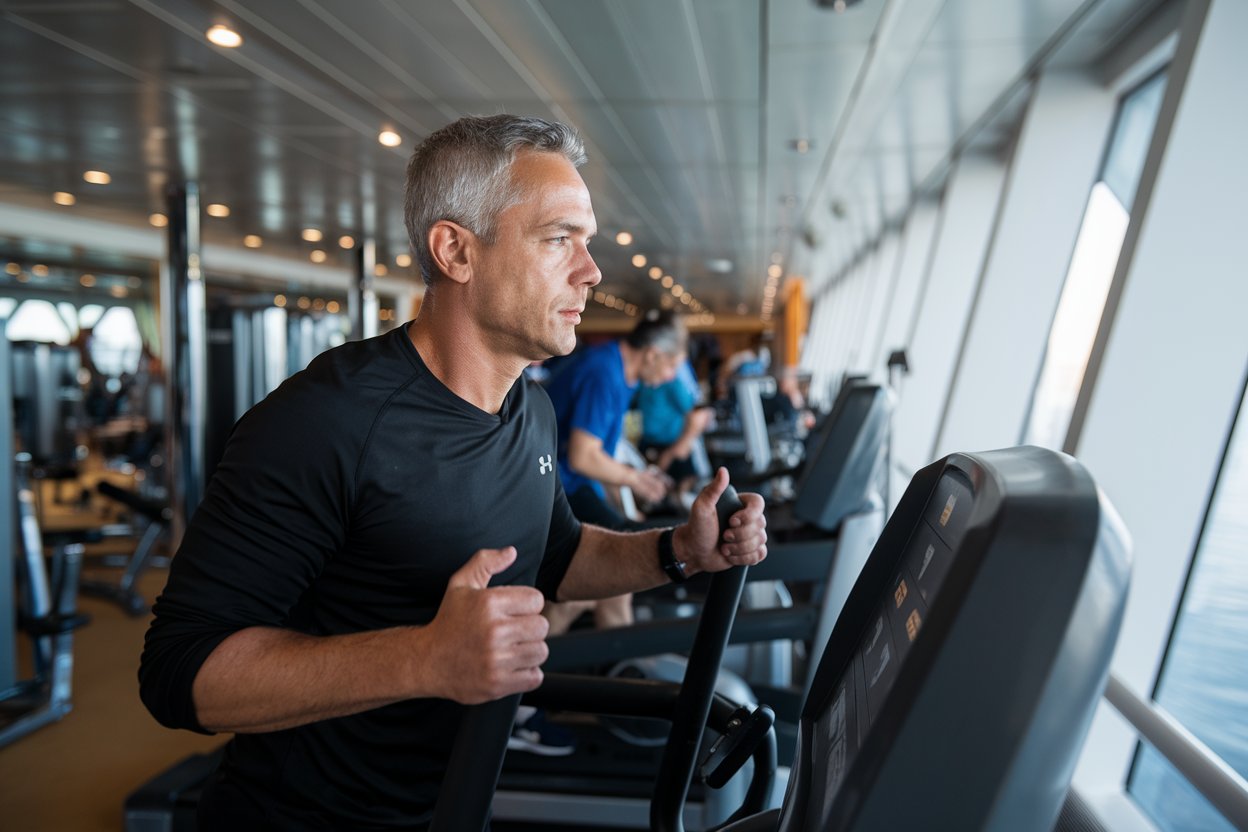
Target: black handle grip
x,y
729,503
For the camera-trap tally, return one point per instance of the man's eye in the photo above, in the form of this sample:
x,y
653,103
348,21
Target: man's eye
x,y
560,240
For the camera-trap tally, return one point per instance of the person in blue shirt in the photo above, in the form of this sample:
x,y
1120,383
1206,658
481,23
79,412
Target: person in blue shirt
x,y
591,397
671,422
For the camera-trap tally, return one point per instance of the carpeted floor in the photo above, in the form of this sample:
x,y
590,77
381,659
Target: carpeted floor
x,y
74,775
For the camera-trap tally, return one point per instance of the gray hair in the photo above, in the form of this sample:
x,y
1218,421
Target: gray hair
x,y
665,331
462,173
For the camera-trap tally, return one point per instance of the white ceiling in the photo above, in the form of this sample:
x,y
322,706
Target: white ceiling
x,y
689,109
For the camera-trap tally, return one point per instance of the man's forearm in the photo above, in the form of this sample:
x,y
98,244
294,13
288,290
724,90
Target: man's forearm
x,y
267,679
610,563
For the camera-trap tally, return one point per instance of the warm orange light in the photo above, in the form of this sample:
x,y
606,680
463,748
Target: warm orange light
x,y
224,36
64,198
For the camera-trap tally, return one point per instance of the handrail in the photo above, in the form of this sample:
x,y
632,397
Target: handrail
x,y
1210,774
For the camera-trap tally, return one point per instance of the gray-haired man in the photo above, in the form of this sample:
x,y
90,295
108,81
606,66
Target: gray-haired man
x,y
375,547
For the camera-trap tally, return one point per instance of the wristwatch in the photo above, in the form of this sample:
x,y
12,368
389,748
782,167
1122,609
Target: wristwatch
x,y
673,568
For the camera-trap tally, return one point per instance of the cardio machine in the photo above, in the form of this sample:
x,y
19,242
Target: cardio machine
x,y
960,679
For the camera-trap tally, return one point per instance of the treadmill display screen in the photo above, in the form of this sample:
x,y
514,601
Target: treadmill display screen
x,y
860,693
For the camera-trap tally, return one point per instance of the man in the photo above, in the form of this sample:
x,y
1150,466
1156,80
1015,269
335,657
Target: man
x,y
591,398
364,560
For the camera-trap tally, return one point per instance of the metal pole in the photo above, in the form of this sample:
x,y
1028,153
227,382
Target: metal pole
x,y
183,312
362,302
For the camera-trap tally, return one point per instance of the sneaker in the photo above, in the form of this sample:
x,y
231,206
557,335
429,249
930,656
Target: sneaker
x,y
533,733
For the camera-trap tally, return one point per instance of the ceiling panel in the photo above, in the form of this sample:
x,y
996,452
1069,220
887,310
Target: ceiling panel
x,y
685,153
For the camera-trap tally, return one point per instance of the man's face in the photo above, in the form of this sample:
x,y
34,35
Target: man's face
x,y
658,367
531,284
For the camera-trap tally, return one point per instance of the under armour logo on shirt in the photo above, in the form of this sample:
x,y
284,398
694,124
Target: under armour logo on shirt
x,y
545,465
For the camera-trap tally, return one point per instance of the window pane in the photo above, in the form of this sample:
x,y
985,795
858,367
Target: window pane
x,y
1132,134
1091,270
38,320
1078,316
116,343
1204,680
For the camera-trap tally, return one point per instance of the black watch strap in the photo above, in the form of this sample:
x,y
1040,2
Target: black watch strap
x,y
673,568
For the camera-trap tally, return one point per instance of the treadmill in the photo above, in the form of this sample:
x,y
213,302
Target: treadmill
x,y
958,685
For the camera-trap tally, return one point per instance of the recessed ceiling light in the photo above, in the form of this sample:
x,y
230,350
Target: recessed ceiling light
x,y
655,272
639,260
39,270
97,177
216,209
13,268
304,302
223,35
403,261
279,301
667,281
312,235
678,290
253,241
318,304
118,291
158,220
87,280
63,198
332,307
380,270
389,138
317,256
345,241
774,270
624,238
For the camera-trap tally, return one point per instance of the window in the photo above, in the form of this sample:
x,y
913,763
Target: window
x,y
1204,679
38,320
115,342
1092,266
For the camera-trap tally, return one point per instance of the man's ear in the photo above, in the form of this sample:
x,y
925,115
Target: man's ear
x,y
449,246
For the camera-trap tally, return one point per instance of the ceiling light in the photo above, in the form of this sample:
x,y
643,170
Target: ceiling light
x,y
97,177
158,220
685,299
655,272
304,302
380,270
318,304
216,209
253,241
223,35
769,291
624,238
800,145
279,301
312,235
678,290
598,297
87,280
13,268
63,198
118,291
667,281
389,138
39,270
403,261
346,241
775,270
639,260
317,256
332,307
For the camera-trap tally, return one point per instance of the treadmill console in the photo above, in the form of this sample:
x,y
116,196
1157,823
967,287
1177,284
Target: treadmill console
x,y
959,682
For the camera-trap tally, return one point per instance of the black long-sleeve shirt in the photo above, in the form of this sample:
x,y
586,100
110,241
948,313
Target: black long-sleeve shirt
x,y
343,503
